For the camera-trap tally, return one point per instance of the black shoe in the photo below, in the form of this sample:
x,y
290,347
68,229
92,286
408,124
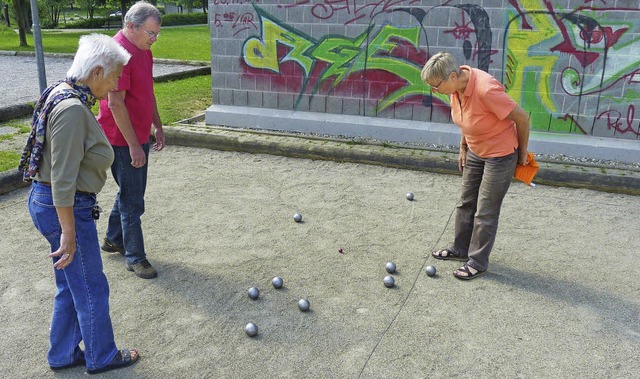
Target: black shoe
x,y
143,269
110,247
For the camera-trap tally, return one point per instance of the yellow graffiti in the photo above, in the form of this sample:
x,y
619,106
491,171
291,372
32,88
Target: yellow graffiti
x,y
521,49
263,52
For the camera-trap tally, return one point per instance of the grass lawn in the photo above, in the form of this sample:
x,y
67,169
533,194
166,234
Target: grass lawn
x,y
186,43
184,98
9,160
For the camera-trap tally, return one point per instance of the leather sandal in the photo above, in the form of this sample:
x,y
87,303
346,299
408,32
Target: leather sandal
x,y
122,359
465,273
447,255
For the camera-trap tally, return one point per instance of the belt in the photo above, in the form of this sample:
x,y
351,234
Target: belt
x,y
48,184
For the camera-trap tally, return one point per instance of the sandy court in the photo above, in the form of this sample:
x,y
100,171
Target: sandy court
x,y
561,298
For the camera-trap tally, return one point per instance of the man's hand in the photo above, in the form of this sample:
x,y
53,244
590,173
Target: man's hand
x,y
138,157
159,145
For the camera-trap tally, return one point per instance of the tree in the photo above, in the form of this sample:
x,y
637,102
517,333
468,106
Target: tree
x,y
22,10
50,10
90,6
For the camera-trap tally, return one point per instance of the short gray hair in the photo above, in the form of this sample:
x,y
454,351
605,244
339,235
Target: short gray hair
x,y
439,66
140,12
96,50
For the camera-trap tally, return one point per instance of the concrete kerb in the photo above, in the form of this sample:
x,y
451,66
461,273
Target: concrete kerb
x,y
297,146
260,142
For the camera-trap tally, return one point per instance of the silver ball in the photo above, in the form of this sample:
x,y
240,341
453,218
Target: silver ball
x,y
277,282
304,305
389,281
253,293
410,196
390,267
431,271
297,217
251,329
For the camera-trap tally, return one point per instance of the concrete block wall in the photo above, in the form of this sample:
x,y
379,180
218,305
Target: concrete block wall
x,y
572,64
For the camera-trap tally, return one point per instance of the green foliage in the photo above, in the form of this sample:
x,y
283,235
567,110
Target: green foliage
x,y
184,19
95,23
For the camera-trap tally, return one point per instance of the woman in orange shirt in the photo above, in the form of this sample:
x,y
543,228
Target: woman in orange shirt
x,y
495,136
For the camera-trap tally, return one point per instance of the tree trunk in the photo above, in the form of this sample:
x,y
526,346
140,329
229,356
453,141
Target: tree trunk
x,y
22,15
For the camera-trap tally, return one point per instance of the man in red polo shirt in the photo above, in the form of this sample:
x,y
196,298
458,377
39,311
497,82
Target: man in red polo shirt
x,y
126,118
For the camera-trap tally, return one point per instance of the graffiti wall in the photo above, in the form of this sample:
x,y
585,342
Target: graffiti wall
x,y
573,65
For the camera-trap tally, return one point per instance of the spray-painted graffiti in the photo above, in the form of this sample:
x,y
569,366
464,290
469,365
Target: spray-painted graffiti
x,y
354,9
387,49
237,21
574,70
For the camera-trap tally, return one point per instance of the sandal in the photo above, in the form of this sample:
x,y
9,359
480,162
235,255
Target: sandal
x,y
78,362
447,255
465,273
122,359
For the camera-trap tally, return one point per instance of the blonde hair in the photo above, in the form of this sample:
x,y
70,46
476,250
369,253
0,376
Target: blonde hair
x,y
439,66
96,50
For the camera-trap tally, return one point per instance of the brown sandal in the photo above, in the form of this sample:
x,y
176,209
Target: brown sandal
x,y
465,273
447,255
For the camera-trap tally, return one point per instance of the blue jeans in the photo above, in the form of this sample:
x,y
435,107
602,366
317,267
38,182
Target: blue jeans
x,y
81,304
125,226
485,182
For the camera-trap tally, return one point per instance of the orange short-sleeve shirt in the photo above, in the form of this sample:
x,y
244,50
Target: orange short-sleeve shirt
x,y
481,115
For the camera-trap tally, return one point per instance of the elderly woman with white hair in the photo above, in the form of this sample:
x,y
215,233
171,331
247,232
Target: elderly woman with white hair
x,y
66,158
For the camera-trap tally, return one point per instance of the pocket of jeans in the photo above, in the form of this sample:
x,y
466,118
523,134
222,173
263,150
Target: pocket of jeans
x,y
44,216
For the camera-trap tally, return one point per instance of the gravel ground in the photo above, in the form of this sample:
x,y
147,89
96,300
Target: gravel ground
x,y
560,299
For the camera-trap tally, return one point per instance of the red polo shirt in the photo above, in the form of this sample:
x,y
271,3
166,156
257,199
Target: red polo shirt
x,y
481,114
137,81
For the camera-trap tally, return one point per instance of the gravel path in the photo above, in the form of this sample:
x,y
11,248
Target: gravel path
x,y
20,75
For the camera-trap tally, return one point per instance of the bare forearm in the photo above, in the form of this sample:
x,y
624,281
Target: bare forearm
x,y
121,116
157,122
67,221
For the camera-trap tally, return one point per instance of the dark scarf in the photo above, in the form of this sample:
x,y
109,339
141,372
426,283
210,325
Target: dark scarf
x,y
32,153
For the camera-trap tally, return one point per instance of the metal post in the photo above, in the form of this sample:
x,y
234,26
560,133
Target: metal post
x,y
37,40
6,14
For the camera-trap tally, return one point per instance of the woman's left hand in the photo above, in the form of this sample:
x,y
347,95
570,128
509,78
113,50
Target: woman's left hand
x,y
523,158
66,251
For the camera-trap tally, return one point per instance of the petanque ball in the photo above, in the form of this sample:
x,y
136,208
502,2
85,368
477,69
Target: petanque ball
x,y
304,305
277,282
251,329
410,196
253,293
431,271
297,217
389,281
390,267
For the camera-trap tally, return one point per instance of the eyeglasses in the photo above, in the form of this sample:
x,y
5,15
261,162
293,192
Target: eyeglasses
x,y
152,34
435,88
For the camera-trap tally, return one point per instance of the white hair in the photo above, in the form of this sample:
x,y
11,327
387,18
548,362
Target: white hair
x,y
96,50
140,12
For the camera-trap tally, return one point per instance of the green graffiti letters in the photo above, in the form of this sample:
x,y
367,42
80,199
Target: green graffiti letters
x,y
263,52
344,56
